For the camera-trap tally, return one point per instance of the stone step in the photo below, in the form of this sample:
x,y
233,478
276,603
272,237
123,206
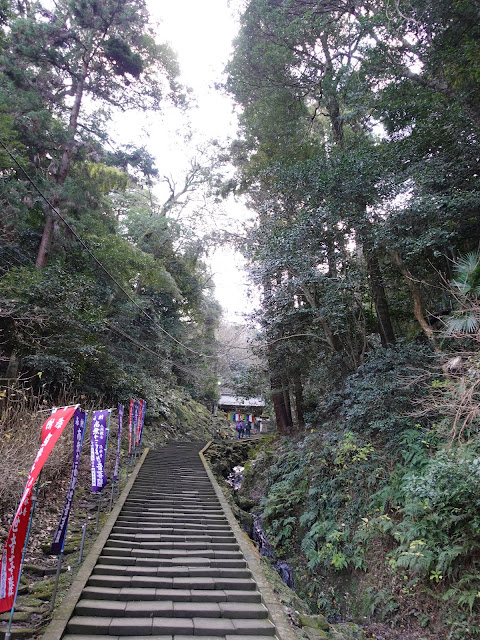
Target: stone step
x,y
153,535
174,595
178,582
173,501
170,609
127,552
172,529
175,521
161,626
149,504
136,544
179,515
181,561
168,637
173,571
151,521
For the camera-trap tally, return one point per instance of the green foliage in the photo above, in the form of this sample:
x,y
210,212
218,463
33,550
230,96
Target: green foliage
x,y
440,524
466,288
124,60
359,154
53,321
379,394
70,320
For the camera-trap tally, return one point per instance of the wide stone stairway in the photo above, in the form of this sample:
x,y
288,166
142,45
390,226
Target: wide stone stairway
x,y
172,568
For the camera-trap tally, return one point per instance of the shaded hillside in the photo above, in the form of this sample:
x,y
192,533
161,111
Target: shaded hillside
x,y
377,509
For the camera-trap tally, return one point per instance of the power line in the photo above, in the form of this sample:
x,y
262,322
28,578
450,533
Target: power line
x,y
188,370
97,261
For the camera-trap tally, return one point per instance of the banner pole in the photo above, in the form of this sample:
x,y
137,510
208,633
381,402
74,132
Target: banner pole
x,y
57,577
82,544
24,551
111,496
98,510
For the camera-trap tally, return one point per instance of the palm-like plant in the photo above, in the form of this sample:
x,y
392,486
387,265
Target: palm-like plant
x,y
465,288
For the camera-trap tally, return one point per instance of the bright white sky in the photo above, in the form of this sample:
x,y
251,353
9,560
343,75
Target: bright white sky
x,y
201,33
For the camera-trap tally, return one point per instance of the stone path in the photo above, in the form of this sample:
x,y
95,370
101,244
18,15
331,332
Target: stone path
x,y
171,568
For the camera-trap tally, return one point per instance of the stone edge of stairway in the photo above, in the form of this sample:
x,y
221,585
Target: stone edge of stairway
x,y
275,610
276,613
62,615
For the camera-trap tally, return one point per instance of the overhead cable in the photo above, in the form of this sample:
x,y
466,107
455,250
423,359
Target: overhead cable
x,y
97,261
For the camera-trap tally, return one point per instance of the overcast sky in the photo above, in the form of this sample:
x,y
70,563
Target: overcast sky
x,y
201,33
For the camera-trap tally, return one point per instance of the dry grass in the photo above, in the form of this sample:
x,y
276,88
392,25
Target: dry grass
x,y
22,414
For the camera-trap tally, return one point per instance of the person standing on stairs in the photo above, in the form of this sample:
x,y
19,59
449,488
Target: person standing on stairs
x,y
239,429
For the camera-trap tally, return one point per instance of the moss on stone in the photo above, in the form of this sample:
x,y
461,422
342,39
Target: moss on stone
x,y
316,634
43,590
33,569
20,634
18,616
29,602
316,621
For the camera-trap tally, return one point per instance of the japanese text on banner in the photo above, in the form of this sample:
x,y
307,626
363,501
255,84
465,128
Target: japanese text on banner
x,y
97,449
12,550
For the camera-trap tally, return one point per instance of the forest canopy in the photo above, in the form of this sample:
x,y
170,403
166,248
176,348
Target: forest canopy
x,y
100,289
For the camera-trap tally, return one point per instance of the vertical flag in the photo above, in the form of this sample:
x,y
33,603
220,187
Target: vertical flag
x,y
119,440
97,449
135,423
79,422
139,422
130,418
142,420
12,550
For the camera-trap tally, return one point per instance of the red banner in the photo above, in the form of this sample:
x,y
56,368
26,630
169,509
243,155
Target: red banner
x,y
12,550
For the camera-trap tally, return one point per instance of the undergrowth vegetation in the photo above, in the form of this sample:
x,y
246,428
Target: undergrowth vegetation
x,y
377,508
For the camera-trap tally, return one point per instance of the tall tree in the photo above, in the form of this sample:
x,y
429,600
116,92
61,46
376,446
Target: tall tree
x,y
104,51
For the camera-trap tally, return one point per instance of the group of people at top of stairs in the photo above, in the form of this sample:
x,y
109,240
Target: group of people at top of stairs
x,y
243,429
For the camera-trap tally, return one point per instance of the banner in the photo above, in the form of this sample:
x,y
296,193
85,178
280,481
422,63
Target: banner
x,y
136,407
130,418
12,550
119,440
141,414
79,422
98,449
139,417
142,420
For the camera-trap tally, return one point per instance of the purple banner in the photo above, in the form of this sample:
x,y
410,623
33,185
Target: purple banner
x,y
119,440
79,422
136,407
142,420
98,449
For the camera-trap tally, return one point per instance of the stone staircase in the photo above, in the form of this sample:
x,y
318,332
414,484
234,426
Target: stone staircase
x,y
171,568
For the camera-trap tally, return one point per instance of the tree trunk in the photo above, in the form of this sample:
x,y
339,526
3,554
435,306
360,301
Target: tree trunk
x,y
47,235
380,301
297,401
46,241
286,401
418,307
282,414
332,102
